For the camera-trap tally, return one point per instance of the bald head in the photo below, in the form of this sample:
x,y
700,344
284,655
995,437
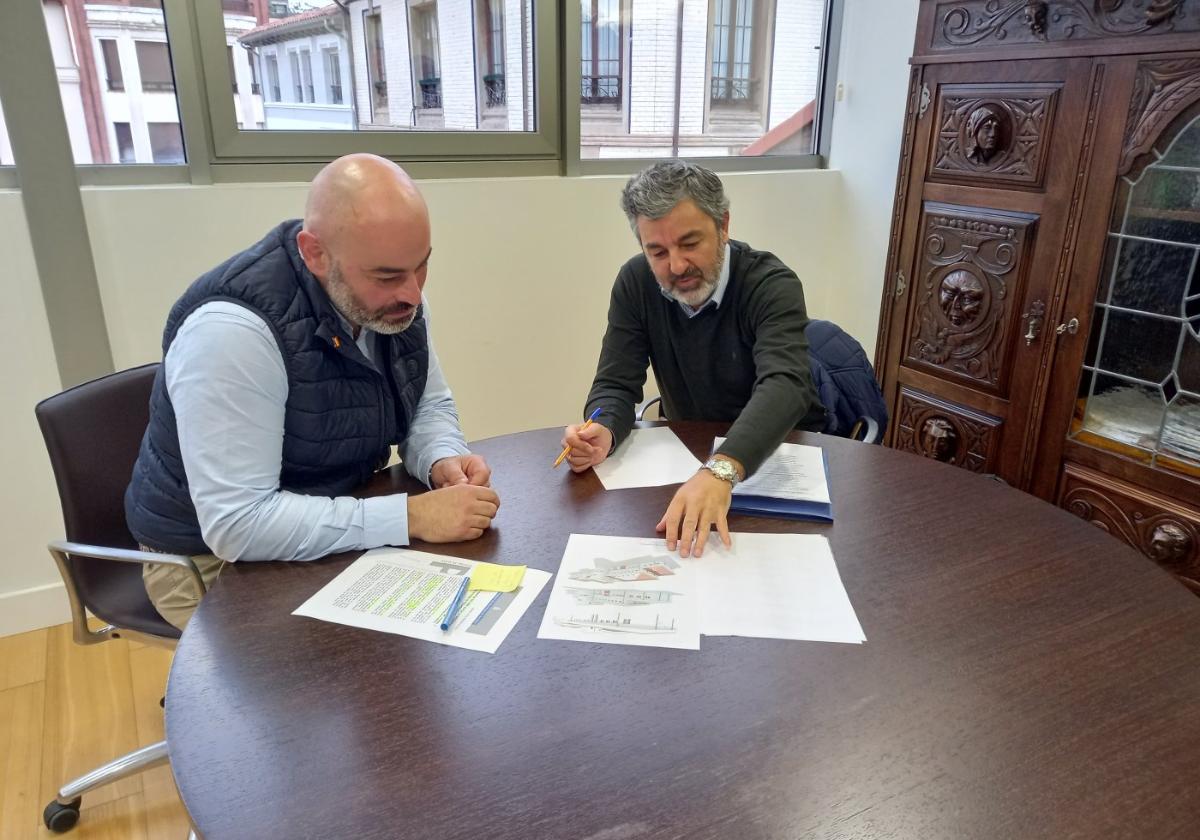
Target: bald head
x,y
366,239
357,195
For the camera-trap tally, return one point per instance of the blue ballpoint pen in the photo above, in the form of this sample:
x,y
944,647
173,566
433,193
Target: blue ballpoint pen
x,y
457,603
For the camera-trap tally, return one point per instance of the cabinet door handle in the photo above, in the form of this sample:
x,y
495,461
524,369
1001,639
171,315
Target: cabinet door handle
x,y
1070,327
1037,311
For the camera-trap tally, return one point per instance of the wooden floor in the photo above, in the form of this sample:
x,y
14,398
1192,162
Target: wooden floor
x,y
66,709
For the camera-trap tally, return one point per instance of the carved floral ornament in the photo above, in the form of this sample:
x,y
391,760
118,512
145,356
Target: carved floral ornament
x,y
972,21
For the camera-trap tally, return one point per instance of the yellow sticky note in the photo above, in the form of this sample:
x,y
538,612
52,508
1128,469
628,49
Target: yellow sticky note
x,y
492,577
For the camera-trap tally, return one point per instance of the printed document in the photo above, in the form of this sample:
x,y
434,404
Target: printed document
x,y
774,586
793,471
397,590
648,458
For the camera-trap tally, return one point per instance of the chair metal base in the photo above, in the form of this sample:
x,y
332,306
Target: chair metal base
x,y
62,813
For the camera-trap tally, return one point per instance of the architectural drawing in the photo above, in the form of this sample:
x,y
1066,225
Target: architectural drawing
x,y
620,597
646,567
618,624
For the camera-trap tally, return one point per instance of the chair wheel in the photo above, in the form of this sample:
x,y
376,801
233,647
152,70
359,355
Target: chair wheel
x,y
59,818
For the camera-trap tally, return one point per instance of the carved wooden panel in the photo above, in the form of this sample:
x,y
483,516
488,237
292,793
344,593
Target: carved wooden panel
x,y
1161,90
994,133
1159,527
971,268
994,23
946,432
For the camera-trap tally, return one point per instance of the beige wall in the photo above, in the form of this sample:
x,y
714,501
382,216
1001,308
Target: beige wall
x,y
518,283
877,39
30,595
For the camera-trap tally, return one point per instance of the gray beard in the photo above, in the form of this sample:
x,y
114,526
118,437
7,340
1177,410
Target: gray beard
x,y
354,312
700,295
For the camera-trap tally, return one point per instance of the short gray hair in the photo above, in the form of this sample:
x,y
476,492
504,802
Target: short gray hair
x,y
656,190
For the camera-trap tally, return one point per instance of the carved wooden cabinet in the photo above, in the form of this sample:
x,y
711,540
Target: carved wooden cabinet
x,y
1041,311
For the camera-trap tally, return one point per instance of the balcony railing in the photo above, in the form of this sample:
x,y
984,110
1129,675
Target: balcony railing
x,y
733,90
493,83
600,89
431,93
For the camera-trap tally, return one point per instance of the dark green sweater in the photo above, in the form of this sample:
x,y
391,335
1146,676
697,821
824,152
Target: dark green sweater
x,y
745,362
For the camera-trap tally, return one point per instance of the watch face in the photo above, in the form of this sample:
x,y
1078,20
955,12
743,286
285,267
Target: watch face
x,y
722,470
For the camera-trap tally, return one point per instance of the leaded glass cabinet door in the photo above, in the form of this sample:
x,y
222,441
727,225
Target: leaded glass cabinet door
x,y
1140,392
1126,390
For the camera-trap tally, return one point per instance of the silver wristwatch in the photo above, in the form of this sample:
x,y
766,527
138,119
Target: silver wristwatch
x,y
723,470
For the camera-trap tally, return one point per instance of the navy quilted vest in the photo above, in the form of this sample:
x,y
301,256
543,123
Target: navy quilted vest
x,y
341,417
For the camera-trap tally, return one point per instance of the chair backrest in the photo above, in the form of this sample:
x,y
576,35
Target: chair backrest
x,y
845,381
93,432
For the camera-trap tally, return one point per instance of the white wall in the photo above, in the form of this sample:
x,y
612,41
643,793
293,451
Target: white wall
x,y
30,592
877,39
518,283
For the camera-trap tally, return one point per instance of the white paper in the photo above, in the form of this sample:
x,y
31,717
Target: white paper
x,y
622,591
397,590
776,586
793,471
648,458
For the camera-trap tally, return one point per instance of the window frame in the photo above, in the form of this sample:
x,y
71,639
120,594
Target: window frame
x,y
217,154
230,145
573,165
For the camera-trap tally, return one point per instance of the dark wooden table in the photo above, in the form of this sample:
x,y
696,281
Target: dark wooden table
x,y
1025,676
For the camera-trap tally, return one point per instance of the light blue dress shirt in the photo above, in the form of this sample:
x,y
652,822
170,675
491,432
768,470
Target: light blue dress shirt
x,y
714,299
228,385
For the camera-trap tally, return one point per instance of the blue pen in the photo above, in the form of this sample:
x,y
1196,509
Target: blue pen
x,y
567,449
457,603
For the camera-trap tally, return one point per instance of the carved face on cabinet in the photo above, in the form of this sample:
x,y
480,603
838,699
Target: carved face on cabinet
x,y
1034,16
1169,542
961,297
986,134
938,439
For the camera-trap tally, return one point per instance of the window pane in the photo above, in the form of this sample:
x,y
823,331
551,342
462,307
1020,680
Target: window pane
x,y
399,65
115,79
166,143
6,154
731,77
124,143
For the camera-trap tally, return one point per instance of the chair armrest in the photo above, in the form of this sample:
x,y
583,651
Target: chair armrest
x,y
872,433
639,411
127,555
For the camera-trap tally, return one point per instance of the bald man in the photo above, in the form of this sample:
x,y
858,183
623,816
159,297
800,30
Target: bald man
x,y
289,371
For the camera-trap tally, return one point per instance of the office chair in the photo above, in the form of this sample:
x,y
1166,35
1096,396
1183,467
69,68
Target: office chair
x,y
845,383
865,429
92,433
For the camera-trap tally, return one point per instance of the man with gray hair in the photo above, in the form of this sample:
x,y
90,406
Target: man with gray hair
x,y
721,324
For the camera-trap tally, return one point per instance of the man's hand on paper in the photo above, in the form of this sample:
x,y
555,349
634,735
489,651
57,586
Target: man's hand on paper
x,y
452,514
589,446
460,469
699,505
